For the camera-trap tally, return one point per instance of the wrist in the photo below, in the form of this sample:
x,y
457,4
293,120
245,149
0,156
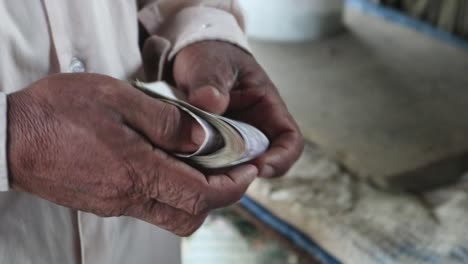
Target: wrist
x,y
20,136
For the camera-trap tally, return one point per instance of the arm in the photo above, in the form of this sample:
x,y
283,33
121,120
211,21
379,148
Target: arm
x,y
206,56
174,25
93,143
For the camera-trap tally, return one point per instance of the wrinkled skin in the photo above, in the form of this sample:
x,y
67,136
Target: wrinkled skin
x,y
222,78
93,143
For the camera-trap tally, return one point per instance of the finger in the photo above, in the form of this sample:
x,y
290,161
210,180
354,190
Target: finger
x,y
171,219
205,72
163,124
209,98
229,187
282,154
175,183
268,113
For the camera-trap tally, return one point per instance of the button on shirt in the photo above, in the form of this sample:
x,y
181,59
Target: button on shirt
x,y
76,65
39,38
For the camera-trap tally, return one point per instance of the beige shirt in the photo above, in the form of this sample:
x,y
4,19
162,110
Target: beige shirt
x,y
39,38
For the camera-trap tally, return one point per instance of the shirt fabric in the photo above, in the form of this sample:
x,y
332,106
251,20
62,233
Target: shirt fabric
x,y
39,38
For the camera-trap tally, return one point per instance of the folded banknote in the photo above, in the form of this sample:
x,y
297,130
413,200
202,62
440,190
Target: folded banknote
x,y
227,142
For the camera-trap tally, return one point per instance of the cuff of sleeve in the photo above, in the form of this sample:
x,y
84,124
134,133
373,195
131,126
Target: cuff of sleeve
x,y
4,186
194,24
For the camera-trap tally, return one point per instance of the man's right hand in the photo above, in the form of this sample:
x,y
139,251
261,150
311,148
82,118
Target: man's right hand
x,y
94,143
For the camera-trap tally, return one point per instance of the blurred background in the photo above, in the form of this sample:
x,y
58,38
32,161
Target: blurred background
x,y
380,91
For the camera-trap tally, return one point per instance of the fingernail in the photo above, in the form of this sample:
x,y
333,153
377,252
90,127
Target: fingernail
x,y
215,91
267,172
247,170
208,90
210,99
198,134
191,136
204,94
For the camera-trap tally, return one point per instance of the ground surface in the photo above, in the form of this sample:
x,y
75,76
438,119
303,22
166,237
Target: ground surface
x,y
382,99
374,104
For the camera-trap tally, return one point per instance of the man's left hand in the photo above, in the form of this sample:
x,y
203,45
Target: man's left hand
x,y
222,78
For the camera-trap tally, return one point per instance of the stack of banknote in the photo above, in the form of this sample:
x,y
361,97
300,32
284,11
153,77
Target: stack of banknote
x,y
227,142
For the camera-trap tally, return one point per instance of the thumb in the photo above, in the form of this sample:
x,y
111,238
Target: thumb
x,y
163,124
205,73
209,98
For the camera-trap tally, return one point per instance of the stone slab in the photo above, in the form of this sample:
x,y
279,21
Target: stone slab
x,y
387,102
359,223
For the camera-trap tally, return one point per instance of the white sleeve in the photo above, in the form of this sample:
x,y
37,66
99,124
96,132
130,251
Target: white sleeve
x,y
4,186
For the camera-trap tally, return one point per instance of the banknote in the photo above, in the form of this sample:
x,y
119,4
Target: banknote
x,y
227,142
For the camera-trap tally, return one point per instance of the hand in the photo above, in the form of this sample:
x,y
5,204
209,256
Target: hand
x,y
96,144
221,78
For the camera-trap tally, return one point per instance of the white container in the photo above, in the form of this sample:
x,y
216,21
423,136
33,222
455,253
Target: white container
x,y
292,20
